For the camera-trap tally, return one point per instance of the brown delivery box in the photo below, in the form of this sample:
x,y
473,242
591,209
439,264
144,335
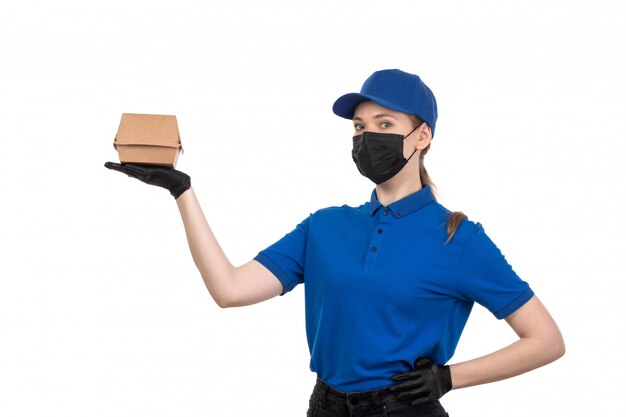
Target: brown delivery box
x,y
148,139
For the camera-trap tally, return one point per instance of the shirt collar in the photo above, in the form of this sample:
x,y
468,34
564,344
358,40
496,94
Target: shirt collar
x,y
406,205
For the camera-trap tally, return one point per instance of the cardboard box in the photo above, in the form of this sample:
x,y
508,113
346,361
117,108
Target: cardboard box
x,y
150,139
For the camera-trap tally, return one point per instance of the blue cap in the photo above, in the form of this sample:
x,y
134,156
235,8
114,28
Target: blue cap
x,y
396,90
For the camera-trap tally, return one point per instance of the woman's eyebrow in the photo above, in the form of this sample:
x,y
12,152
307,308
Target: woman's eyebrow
x,y
378,116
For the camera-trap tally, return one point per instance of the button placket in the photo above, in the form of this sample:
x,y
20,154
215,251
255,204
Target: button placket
x,y
376,239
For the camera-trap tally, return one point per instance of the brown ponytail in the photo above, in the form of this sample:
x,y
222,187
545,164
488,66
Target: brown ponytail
x,y
456,217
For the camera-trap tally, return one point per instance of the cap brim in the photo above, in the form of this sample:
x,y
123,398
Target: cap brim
x,y
344,106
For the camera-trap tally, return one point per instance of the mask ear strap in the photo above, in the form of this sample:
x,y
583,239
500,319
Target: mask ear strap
x,y
412,130
408,135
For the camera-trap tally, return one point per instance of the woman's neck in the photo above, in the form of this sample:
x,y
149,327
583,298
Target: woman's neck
x,y
396,189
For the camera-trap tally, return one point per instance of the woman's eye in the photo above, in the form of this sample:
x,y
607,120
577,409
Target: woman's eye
x,y
385,125
358,127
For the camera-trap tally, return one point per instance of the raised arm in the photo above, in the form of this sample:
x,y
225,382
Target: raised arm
x,y
228,285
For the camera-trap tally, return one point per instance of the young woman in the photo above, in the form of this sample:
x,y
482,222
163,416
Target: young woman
x,y
389,285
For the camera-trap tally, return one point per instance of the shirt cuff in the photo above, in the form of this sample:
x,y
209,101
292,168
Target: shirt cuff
x,y
275,269
513,306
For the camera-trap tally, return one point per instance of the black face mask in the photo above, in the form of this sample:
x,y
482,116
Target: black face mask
x,y
379,156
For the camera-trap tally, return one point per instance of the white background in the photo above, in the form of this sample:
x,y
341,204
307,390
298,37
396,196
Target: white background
x,y
102,312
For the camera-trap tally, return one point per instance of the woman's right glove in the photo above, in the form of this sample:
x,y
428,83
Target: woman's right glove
x,y
177,182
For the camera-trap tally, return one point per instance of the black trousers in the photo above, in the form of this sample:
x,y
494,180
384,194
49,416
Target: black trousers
x,y
328,402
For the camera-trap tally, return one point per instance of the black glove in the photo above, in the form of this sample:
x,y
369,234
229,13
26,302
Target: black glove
x,y
176,182
426,383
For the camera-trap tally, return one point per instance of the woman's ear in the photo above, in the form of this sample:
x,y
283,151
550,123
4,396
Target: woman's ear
x,y
424,136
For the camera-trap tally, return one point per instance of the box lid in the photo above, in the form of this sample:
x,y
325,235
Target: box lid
x,y
148,129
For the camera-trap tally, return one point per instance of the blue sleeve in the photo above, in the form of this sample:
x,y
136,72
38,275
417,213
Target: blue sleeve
x,y
487,278
285,258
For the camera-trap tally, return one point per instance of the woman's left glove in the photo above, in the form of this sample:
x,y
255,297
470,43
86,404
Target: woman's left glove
x,y
426,383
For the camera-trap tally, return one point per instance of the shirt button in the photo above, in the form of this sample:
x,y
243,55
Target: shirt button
x,y
380,231
398,214
374,249
385,213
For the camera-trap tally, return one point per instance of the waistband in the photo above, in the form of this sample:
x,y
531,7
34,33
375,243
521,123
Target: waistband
x,y
371,400
378,397
346,395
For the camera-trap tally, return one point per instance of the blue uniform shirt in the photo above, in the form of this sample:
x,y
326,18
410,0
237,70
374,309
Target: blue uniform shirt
x,y
382,289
